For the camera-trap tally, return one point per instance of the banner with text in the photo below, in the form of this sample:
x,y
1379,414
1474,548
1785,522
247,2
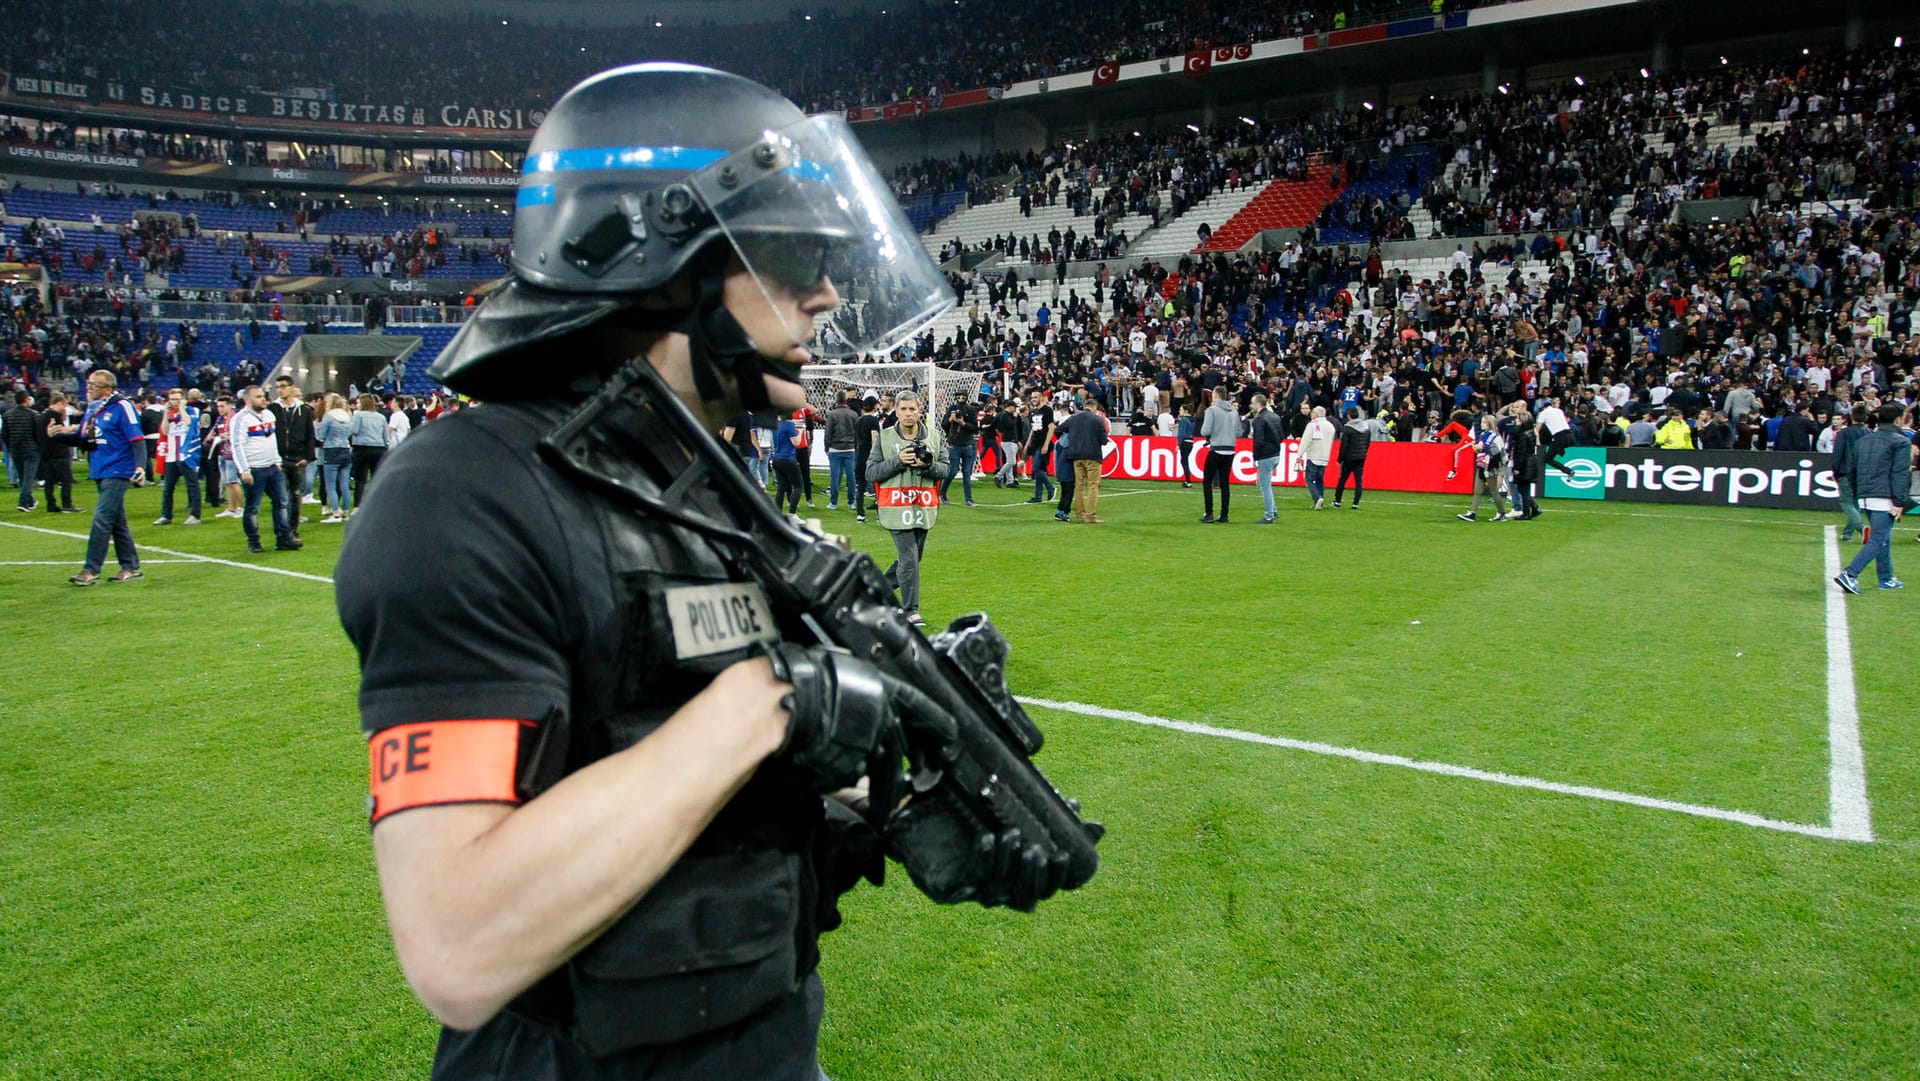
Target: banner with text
x,y
46,161
247,104
1391,467
1719,478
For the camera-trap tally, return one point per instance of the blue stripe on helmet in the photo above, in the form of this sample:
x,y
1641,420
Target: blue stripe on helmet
x,y
534,195
688,158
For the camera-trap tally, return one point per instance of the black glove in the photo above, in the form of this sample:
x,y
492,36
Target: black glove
x,y
953,856
847,720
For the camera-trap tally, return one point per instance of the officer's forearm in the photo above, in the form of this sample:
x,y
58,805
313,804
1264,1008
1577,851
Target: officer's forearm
x,y
484,900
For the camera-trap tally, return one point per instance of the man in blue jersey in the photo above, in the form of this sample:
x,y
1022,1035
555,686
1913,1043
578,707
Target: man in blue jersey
x,y
115,446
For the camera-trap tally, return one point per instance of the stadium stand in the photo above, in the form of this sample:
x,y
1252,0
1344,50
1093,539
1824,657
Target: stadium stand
x,y
1557,204
822,60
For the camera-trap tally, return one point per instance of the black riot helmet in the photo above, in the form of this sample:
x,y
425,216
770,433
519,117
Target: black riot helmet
x,y
641,174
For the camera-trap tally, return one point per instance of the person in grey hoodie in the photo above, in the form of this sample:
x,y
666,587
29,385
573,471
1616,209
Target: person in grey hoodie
x,y
1356,435
1220,427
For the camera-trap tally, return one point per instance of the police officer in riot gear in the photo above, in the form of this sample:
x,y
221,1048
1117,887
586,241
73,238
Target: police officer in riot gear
x,y
597,754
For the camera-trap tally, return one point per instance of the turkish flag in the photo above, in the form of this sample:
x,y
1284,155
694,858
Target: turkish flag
x,y
1223,54
1107,74
1198,63
1243,51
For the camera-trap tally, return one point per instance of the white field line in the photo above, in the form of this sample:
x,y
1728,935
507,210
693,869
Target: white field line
x,y
70,563
191,557
1840,832
1557,507
1847,776
1511,780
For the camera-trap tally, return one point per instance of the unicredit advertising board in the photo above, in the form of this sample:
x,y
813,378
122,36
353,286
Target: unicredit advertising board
x,y
1391,467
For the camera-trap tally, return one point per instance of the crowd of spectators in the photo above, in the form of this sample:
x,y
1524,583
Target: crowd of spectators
x,y
825,61
1725,327
1835,126
1728,331
1753,317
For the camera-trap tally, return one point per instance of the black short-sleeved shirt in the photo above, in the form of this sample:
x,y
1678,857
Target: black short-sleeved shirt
x,y
458,583
475,584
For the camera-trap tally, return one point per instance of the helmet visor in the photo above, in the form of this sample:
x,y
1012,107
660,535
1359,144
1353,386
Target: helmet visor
x,y
814,222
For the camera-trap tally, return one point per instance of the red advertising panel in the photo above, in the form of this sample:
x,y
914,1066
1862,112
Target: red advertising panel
x,y
1391,467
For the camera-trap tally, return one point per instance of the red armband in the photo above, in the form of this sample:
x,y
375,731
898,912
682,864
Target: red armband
x,y
436,762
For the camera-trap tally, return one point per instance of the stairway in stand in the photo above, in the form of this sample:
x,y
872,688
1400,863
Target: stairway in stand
x,y
1283,204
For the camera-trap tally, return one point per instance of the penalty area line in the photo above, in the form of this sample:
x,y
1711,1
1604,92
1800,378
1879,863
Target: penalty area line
x,y
1744,818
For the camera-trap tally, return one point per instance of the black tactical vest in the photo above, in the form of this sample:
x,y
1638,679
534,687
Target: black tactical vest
x,y
733,927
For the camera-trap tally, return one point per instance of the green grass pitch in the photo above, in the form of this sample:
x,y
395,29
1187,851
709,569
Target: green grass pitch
x,y
189,890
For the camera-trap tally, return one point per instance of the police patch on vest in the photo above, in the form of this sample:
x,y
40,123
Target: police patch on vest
x,y
718,618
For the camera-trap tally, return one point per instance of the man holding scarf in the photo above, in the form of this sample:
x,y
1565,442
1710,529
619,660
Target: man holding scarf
x,y
180,437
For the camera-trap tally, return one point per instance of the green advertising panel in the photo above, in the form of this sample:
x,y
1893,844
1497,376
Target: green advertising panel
x,y
1588,479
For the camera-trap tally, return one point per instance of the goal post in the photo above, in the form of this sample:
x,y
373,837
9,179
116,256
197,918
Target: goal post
x,y
935,385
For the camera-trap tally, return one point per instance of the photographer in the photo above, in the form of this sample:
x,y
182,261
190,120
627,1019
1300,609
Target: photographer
x,y
962,430
907,460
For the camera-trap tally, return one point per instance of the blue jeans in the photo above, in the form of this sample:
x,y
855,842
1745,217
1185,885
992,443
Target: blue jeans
x,y
177,472
110,521
1264,468
758,467
1316,481
961,461
839,464
28,463
1043,486
270,482
334,486
1878,550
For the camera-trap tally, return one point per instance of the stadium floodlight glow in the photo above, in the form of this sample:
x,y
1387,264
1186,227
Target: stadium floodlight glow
x,y
1723,61
657,24
1195,128
1368,105
1806,52
1645,74
1502,88
1579,80
1897,42
809,18
1249,121
503,22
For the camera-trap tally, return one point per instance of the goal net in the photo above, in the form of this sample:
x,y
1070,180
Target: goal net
x,y
935,385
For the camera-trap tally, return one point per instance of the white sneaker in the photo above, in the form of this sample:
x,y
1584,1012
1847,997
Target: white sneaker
x,y
163,521
194,520
311,499
1319,504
